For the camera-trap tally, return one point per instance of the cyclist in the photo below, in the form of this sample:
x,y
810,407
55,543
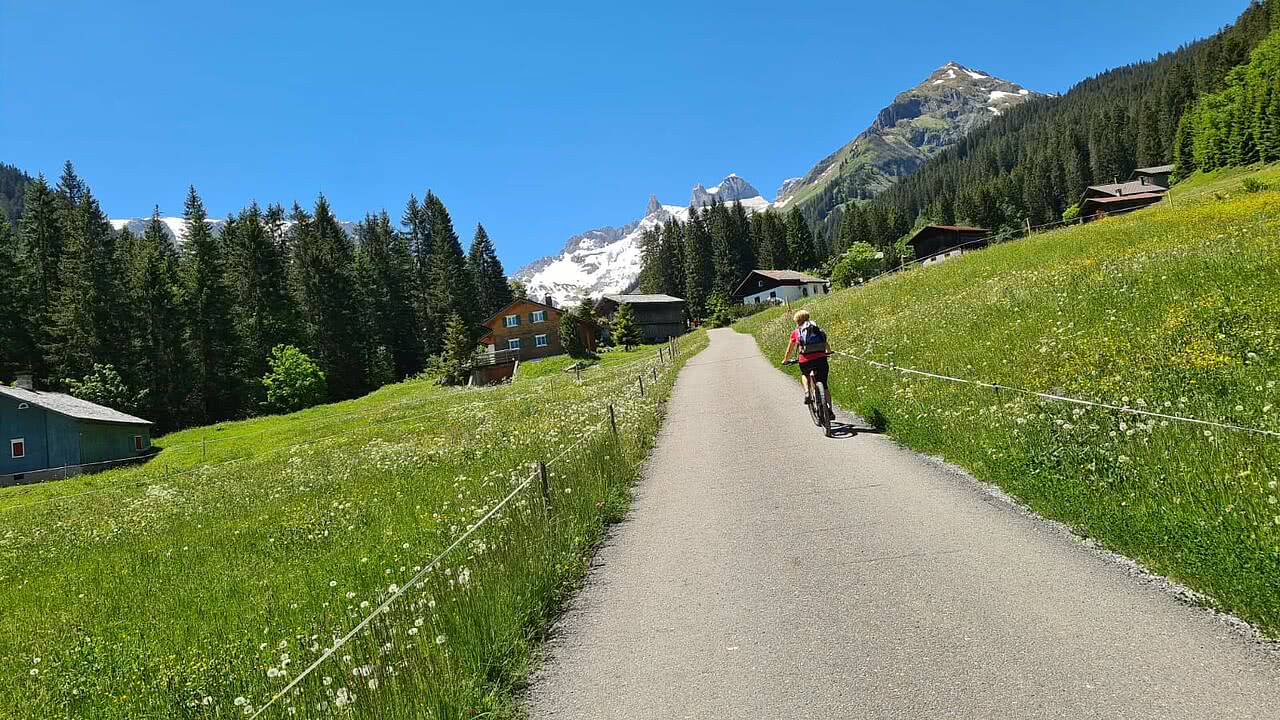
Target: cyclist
x,y
812,358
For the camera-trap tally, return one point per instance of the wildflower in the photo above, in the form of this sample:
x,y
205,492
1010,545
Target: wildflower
x,y
333,583
241,701
440,639
343,698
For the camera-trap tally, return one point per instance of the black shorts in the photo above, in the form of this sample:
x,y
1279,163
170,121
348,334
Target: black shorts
x,y
818,367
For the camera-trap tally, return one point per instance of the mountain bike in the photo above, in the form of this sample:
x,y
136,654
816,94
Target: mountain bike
x,y
819,402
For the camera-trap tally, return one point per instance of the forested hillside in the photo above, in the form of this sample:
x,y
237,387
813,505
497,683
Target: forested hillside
x,y
1033,162
183,336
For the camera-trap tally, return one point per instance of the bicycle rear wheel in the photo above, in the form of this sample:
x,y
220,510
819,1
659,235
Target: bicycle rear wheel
x,y
822,411
815,413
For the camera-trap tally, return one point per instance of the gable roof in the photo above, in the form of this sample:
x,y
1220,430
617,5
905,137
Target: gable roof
x,y
1123,199
72,407
1157,170
934,229
781,277
1133,187
519,301
642,299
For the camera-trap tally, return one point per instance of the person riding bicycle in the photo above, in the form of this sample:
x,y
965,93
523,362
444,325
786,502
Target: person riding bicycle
x,y
811,354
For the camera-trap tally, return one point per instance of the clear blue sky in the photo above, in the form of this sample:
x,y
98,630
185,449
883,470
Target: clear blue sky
x,y
540,120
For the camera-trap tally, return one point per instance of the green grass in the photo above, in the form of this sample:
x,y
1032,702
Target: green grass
x,y
220,570
1171,309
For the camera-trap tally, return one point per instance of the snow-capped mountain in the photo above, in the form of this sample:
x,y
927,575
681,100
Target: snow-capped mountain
x,y
175,226
607,260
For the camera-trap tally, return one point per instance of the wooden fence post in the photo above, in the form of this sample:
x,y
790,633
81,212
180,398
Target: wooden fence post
x,y
578,371
613,421
642,386
204,448
545,481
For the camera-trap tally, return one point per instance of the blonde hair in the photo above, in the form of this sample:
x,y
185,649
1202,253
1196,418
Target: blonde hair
x,y
802,316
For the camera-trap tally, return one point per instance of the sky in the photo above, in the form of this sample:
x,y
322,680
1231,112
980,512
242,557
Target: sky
x,y
539,120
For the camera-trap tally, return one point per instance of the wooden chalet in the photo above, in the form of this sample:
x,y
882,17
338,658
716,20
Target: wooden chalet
x,y
935,243
1099,207
779,286
523,330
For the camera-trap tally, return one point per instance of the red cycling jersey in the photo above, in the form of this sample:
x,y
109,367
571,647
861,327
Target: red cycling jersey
x,y
804,357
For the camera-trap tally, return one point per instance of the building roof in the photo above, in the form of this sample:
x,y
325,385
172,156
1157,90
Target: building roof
x,y
1133,187
642,299
931,229
1157,170
1125,198
503,312
72,407
781,277
789,276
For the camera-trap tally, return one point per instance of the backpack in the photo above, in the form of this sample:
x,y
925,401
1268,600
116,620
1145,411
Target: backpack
x,y
812,339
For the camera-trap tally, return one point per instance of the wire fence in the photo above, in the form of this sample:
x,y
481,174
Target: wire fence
x,y
666,362
667,355
1061,398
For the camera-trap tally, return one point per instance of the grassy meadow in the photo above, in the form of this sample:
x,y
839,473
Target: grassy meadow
x,y
200,585
1174,309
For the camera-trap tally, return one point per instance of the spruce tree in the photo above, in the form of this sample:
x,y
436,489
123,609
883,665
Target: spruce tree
x,y
163,368
74,339
697,264
324,280
456,351
492,291
800,249
211,343
257,278
42,240
450,288
17,295
624,330
390,286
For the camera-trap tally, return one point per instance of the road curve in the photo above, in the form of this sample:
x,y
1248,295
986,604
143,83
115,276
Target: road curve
x,y
766,572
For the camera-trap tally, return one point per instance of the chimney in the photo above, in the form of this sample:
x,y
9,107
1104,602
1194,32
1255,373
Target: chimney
x,y
1143,179
550,301
25,380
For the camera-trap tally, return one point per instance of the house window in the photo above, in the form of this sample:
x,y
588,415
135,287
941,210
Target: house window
x,y
760,284
538,316
137,442
511,321
804,291
18,447
513,343
540,341
773,294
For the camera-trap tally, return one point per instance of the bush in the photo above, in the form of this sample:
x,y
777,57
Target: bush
x,y
294,381
1071,213
1253,185
718,313
104,386
857,265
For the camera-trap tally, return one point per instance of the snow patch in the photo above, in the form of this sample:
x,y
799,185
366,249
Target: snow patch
x,y
976,75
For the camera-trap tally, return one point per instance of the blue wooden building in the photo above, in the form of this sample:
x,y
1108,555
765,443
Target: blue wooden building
x,y
50,435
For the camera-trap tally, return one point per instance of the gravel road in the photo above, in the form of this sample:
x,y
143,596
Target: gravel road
x,y
767,572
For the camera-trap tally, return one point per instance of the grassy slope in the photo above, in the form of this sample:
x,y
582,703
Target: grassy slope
x,y
1173,309
155,591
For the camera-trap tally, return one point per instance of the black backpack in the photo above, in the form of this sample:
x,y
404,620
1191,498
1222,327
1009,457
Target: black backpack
x,y
812,339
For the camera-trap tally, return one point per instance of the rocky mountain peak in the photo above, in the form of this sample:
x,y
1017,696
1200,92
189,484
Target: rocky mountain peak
x,y
654,206
730,189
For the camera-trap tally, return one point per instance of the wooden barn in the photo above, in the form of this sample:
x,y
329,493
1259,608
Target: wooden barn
x,y
1158,176
660,317
1099,207
935,243
51,435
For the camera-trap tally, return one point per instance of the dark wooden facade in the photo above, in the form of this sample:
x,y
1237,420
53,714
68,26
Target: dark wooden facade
x,y
1097,208
660,317
936,239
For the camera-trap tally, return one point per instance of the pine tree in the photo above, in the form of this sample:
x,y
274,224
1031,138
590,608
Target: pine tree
x,y
450,290
391,287
724,268
697,264
572,331
492,291
624,330
799,241
17,268
74,339
163,367
456,351
324,282
257,278
211,343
